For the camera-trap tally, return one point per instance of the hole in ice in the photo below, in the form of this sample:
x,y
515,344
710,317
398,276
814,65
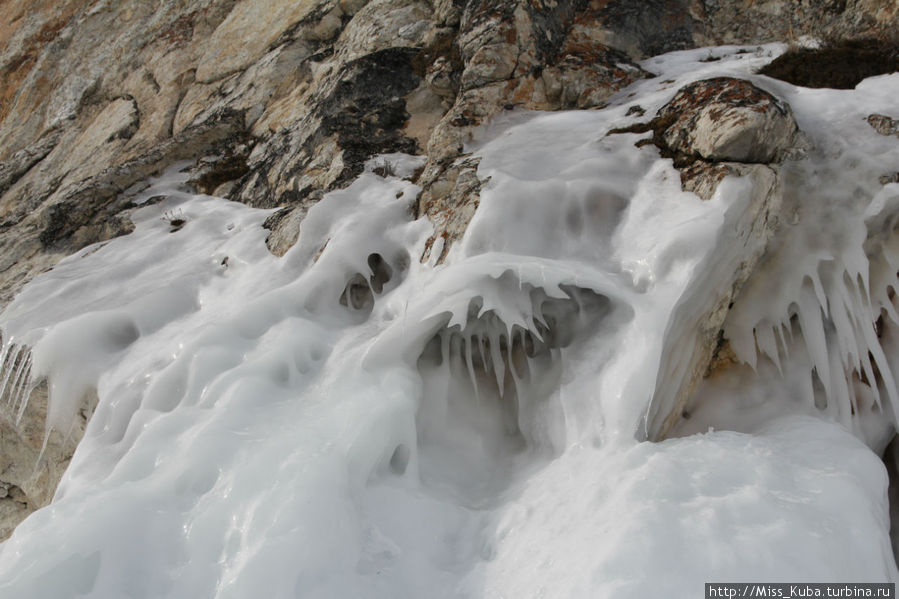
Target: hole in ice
x,y
399,460
357,295
359,292
380,272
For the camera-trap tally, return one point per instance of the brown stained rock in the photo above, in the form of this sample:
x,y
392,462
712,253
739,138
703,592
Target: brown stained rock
x,y
702,178
883,124
248,32
718,127
383,24
728,119
723,358
645,28
214,171
12,169
488,64
449,199
740,22
285,226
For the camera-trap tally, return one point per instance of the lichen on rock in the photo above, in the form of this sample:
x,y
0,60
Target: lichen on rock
x,y
727,119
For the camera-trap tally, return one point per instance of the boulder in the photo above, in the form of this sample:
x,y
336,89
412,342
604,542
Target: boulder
x,y
728,119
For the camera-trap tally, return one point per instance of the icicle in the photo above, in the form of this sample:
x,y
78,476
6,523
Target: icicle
x,y
780,327
469,362
842,314
24,395
444,349
539,318
512,368
853,396
15,380
819,292
519,399
742,342
16,390
482,344
768,345
4,352
867,368
524,351
886,375
838,383
887,305
7,366
454,356
808,389
810,320
497,358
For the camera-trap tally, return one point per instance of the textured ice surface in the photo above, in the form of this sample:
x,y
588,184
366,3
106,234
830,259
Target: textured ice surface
x,y
348,422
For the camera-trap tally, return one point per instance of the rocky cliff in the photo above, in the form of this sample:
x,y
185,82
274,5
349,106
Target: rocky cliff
x,y
274,103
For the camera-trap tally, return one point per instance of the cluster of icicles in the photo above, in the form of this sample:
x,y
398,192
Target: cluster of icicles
x,y
515,364
840,316
16,381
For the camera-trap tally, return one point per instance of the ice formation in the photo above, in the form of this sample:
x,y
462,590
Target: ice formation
x,y
349,422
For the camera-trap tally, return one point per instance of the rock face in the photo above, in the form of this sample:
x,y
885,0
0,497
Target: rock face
x,y
30,471
276,102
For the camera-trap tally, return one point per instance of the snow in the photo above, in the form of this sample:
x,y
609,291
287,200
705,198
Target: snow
x,y
349,422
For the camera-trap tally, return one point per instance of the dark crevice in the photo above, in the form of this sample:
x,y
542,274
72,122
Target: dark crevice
x,y
839,64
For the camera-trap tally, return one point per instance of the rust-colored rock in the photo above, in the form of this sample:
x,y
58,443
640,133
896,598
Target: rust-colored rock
x,y
728,119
